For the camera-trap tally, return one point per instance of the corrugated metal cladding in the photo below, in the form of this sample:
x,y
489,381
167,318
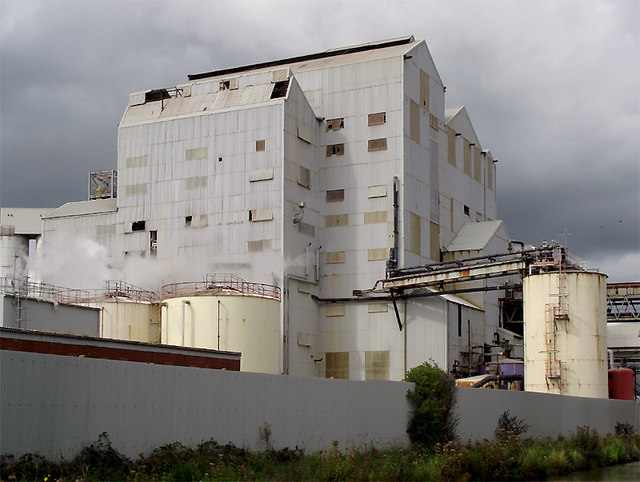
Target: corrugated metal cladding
x,y
69,402
221,173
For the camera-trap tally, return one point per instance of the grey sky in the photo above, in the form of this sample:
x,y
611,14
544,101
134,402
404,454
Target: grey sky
x,y
552,87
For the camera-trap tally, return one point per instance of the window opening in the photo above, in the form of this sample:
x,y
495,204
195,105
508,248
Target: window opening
x,y
187,220
377,118
260,145
335,124
153,243
337,149
459,320
466,210
280,89
137,226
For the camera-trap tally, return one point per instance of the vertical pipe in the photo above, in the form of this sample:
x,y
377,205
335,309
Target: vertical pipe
x,y
218,324
306,261
318,262
446,336
184,318
406,328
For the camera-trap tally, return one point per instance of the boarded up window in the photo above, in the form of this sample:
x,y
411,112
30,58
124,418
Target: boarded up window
x,y
414,121
416,235
337,365
335,195
105,229
451,146
304,339
490,167
377,308
335,309
335,149
434,241
259,245
378,254
424,90
335,124
376,365
336,220
198,153
261,215
260,145
377,119
477,164
261,174
377,191
337,257
139,161
377,144
467,157
374,217
304,177
135,190
433,122
305,228
195,182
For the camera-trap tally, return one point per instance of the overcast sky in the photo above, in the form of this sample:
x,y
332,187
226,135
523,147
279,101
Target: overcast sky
x,y
552,88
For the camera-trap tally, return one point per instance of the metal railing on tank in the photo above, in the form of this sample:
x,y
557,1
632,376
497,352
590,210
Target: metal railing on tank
x,y
226,284
113,290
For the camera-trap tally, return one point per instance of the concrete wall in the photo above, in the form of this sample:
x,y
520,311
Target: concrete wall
x,y
55,405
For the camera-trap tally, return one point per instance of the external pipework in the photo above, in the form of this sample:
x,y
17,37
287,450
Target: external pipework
x,y
513,241
610,352
297,216
392,262
184,318
306,261
318,263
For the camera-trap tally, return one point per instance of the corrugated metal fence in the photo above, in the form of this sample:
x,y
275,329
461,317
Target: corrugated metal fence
x,y
55,405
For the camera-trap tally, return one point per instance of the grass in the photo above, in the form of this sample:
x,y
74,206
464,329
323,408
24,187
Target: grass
x,y
507,457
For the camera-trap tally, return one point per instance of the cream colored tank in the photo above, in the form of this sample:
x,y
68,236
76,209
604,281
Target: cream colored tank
x,y
565,323
246,324
129,320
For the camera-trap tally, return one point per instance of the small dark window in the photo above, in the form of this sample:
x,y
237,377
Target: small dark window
x,y
466,210
337,149
250,215
158,94
224,85
377,118
459,320
187,220
335,124
280,89
260,145
137,226
219,159
335,195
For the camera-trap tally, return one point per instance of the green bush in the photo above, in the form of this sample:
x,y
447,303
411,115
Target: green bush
x,y
432,420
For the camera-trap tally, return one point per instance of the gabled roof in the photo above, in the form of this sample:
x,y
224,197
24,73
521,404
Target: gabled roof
x,y
474,236
81,208
367,47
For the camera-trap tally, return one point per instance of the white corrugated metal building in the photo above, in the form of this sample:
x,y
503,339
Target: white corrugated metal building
x,y
287,168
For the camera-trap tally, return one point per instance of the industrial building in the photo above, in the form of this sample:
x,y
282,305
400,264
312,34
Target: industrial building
x,y
313,178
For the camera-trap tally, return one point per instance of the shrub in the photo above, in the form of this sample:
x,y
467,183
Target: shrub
x,y
510,426
432,420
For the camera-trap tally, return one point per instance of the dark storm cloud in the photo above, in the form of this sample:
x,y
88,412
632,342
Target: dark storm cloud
x,y
551,87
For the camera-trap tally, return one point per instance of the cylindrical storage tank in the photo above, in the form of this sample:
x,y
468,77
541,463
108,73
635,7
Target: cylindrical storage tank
x,y
129,320
12,246
565,323
621,384
246,324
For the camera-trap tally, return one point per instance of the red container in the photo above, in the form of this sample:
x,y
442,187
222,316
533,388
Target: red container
x,y
621,384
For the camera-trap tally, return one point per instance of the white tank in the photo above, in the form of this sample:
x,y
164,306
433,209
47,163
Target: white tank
x,y
565,329
13,251
235,316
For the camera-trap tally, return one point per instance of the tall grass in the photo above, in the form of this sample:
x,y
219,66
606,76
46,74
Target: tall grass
x,y
507,457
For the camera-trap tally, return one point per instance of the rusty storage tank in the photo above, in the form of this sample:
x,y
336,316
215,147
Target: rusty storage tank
x,y
227,313
565,323
621,384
